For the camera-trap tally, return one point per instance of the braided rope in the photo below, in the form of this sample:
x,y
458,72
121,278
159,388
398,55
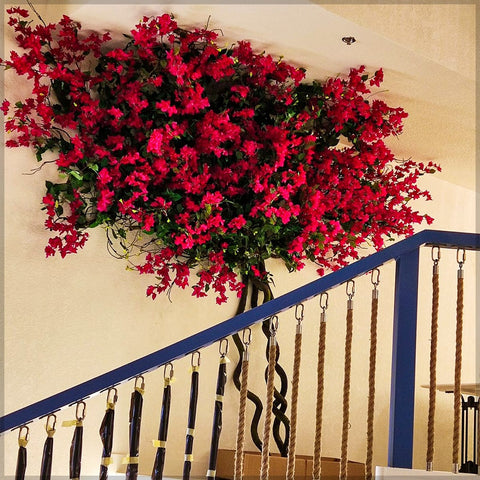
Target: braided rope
x,y
346,392
433,368
371,385
240,446
293,414
317,464
268,409
457,402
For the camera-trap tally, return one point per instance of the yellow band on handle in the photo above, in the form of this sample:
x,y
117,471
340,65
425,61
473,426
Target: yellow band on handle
x,y
224,359
211,473
189,457
196,368
22,442
50,432
110,406
72,423
219,398
129,460
106,461
191,431
159,443
141,391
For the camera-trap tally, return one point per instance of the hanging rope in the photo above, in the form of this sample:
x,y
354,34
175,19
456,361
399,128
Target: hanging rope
x,y
46,466
240,445
350,288
22,453
192,414
106,432
295,381
264,466
457,401
161,443
135,420
433,359
375,278
217,415
317,461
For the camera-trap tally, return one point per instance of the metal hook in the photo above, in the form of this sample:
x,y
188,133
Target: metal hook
x,y
112,400
273,325
196,355
461,259
27,434
223,347
299,309
142,384
324,303
170,374
375,277
51,427
350,289
247,336
81,416
436,254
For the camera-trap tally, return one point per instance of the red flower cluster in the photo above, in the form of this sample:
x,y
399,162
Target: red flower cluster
x,y
206,159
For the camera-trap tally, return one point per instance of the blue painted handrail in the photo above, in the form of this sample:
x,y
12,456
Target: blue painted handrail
x,y
404,252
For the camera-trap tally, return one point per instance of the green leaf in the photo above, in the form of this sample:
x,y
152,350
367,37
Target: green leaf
x,y
76,174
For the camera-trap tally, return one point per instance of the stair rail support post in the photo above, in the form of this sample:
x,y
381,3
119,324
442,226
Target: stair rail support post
x,y
402,393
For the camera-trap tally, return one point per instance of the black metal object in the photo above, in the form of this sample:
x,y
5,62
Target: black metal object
x,y
46,465
135,420
470,407
22,453
77,443
157,473
218,409
192,414
106,433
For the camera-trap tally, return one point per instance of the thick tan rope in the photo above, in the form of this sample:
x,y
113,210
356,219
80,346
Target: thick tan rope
x,y
268,409
371,385
317,449
433,365
238,462
346,391
457,402
293,415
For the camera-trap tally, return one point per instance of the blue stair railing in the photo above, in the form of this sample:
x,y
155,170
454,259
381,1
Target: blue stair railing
x,y
402,399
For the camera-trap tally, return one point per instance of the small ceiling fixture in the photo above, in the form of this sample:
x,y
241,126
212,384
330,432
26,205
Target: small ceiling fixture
x,y
348,40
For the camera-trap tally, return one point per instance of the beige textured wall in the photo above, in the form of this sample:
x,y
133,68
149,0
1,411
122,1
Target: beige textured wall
x,y
67,320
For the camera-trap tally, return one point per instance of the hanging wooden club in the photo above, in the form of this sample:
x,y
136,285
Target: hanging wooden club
x,y
46,466
157,473
22,453
217,414
192,413
135,420
106,432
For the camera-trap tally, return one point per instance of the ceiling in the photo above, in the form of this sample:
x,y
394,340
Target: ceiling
x,y
427,52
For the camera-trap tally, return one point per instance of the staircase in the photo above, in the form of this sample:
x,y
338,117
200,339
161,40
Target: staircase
x,y
351,284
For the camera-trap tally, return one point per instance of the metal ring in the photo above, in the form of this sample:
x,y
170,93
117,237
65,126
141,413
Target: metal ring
x,y
324,303
223,347
192,361
81,416
273,325
20,429
47,424
375,277
350,289
462,260
299,309
436,257
247,336
115,395
170,374
142,384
